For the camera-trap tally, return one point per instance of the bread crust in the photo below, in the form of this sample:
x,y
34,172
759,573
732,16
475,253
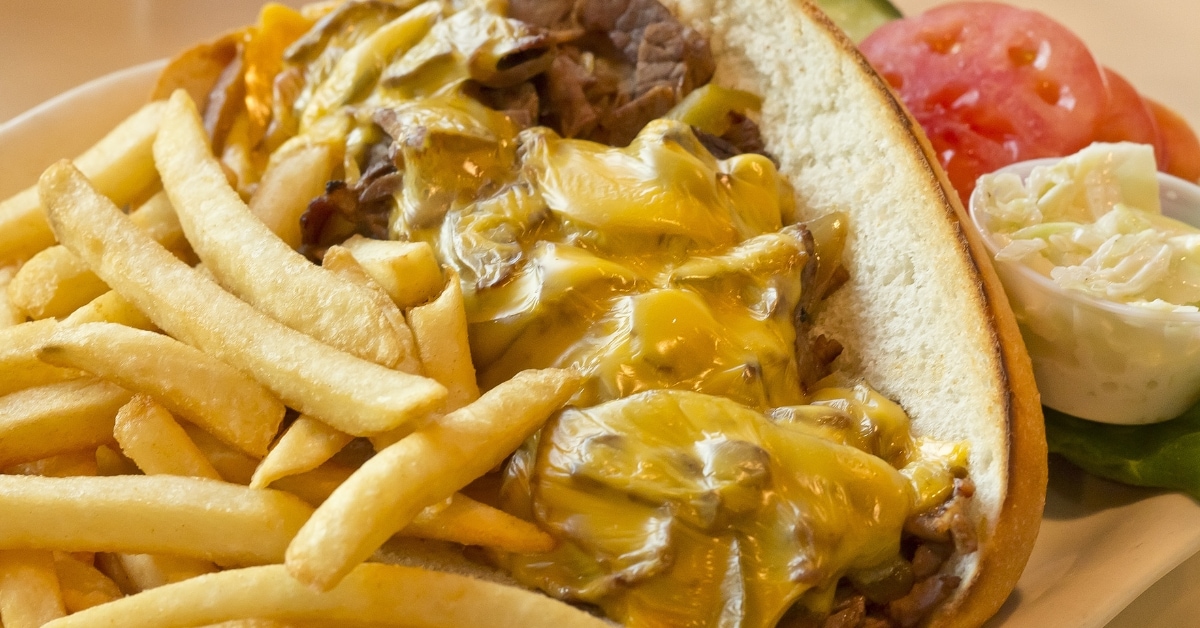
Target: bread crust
x,y
789,52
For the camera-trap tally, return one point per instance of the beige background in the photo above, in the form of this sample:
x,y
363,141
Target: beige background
x,y
47,46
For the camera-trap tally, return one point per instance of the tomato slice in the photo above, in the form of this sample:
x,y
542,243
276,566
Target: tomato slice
x,y
1128,117
1178,142
1013,77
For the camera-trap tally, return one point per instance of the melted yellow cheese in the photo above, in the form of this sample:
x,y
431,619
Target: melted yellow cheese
x,y
679,509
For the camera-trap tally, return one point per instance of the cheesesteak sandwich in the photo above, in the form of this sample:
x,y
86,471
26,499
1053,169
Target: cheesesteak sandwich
x,y
796,397
671,191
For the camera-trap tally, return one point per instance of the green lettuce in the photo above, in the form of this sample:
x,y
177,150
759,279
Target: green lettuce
x,y
1162,455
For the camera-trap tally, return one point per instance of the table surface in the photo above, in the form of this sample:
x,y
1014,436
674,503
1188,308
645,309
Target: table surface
x,y
49,46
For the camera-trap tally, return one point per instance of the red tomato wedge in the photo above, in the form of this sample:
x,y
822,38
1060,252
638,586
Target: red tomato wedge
x,y
1015,82
1128,118
1179,143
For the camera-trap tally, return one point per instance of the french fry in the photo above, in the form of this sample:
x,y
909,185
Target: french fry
x,y
340,262
295,176
155,514
441,330
19,366
110,461
440,327
468,522
66,465
150,437
253,262
148,571
83,586
233,465
407,271
56,418
110,565
189,382
120,166
459,519
427,466
315,486
29,589
110,307
373,594
55,282
351,394
306,445
10,314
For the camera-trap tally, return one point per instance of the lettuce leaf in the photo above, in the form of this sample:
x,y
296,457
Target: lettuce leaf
x,y
1162,455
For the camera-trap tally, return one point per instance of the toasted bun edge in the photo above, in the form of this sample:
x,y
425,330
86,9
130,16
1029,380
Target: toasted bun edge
x,y
788,51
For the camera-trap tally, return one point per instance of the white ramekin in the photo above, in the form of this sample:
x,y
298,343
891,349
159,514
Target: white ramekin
x,y
1099,359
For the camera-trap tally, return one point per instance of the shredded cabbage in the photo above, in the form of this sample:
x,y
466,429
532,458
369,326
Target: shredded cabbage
x,y
1093,223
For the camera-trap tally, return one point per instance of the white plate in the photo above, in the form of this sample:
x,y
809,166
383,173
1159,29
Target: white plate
x,y
1101,544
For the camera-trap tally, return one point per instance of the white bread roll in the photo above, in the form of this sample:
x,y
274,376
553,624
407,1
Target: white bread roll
x,y
923,318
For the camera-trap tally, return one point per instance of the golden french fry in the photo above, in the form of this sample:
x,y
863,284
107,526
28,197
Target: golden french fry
x,y
340,262
189,382
55,282
315,486
66,465
19,366
233,465
441,330
148,571
110,461
10,313
373,594
440,327
157,217
306,445
351,394
121,166
294,177
459,519
150,437
260,623
468,522
110,307
425,467
83,586
158,445
158,514
253,262
29,589
56,418
407,271
110,565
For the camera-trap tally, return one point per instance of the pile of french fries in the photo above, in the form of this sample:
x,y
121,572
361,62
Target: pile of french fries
x,y
178,384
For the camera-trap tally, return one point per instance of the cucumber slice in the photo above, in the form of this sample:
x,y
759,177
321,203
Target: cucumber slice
x,y
859,17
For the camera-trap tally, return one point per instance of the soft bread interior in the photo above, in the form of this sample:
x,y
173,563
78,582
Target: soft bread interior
x,y
923,317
